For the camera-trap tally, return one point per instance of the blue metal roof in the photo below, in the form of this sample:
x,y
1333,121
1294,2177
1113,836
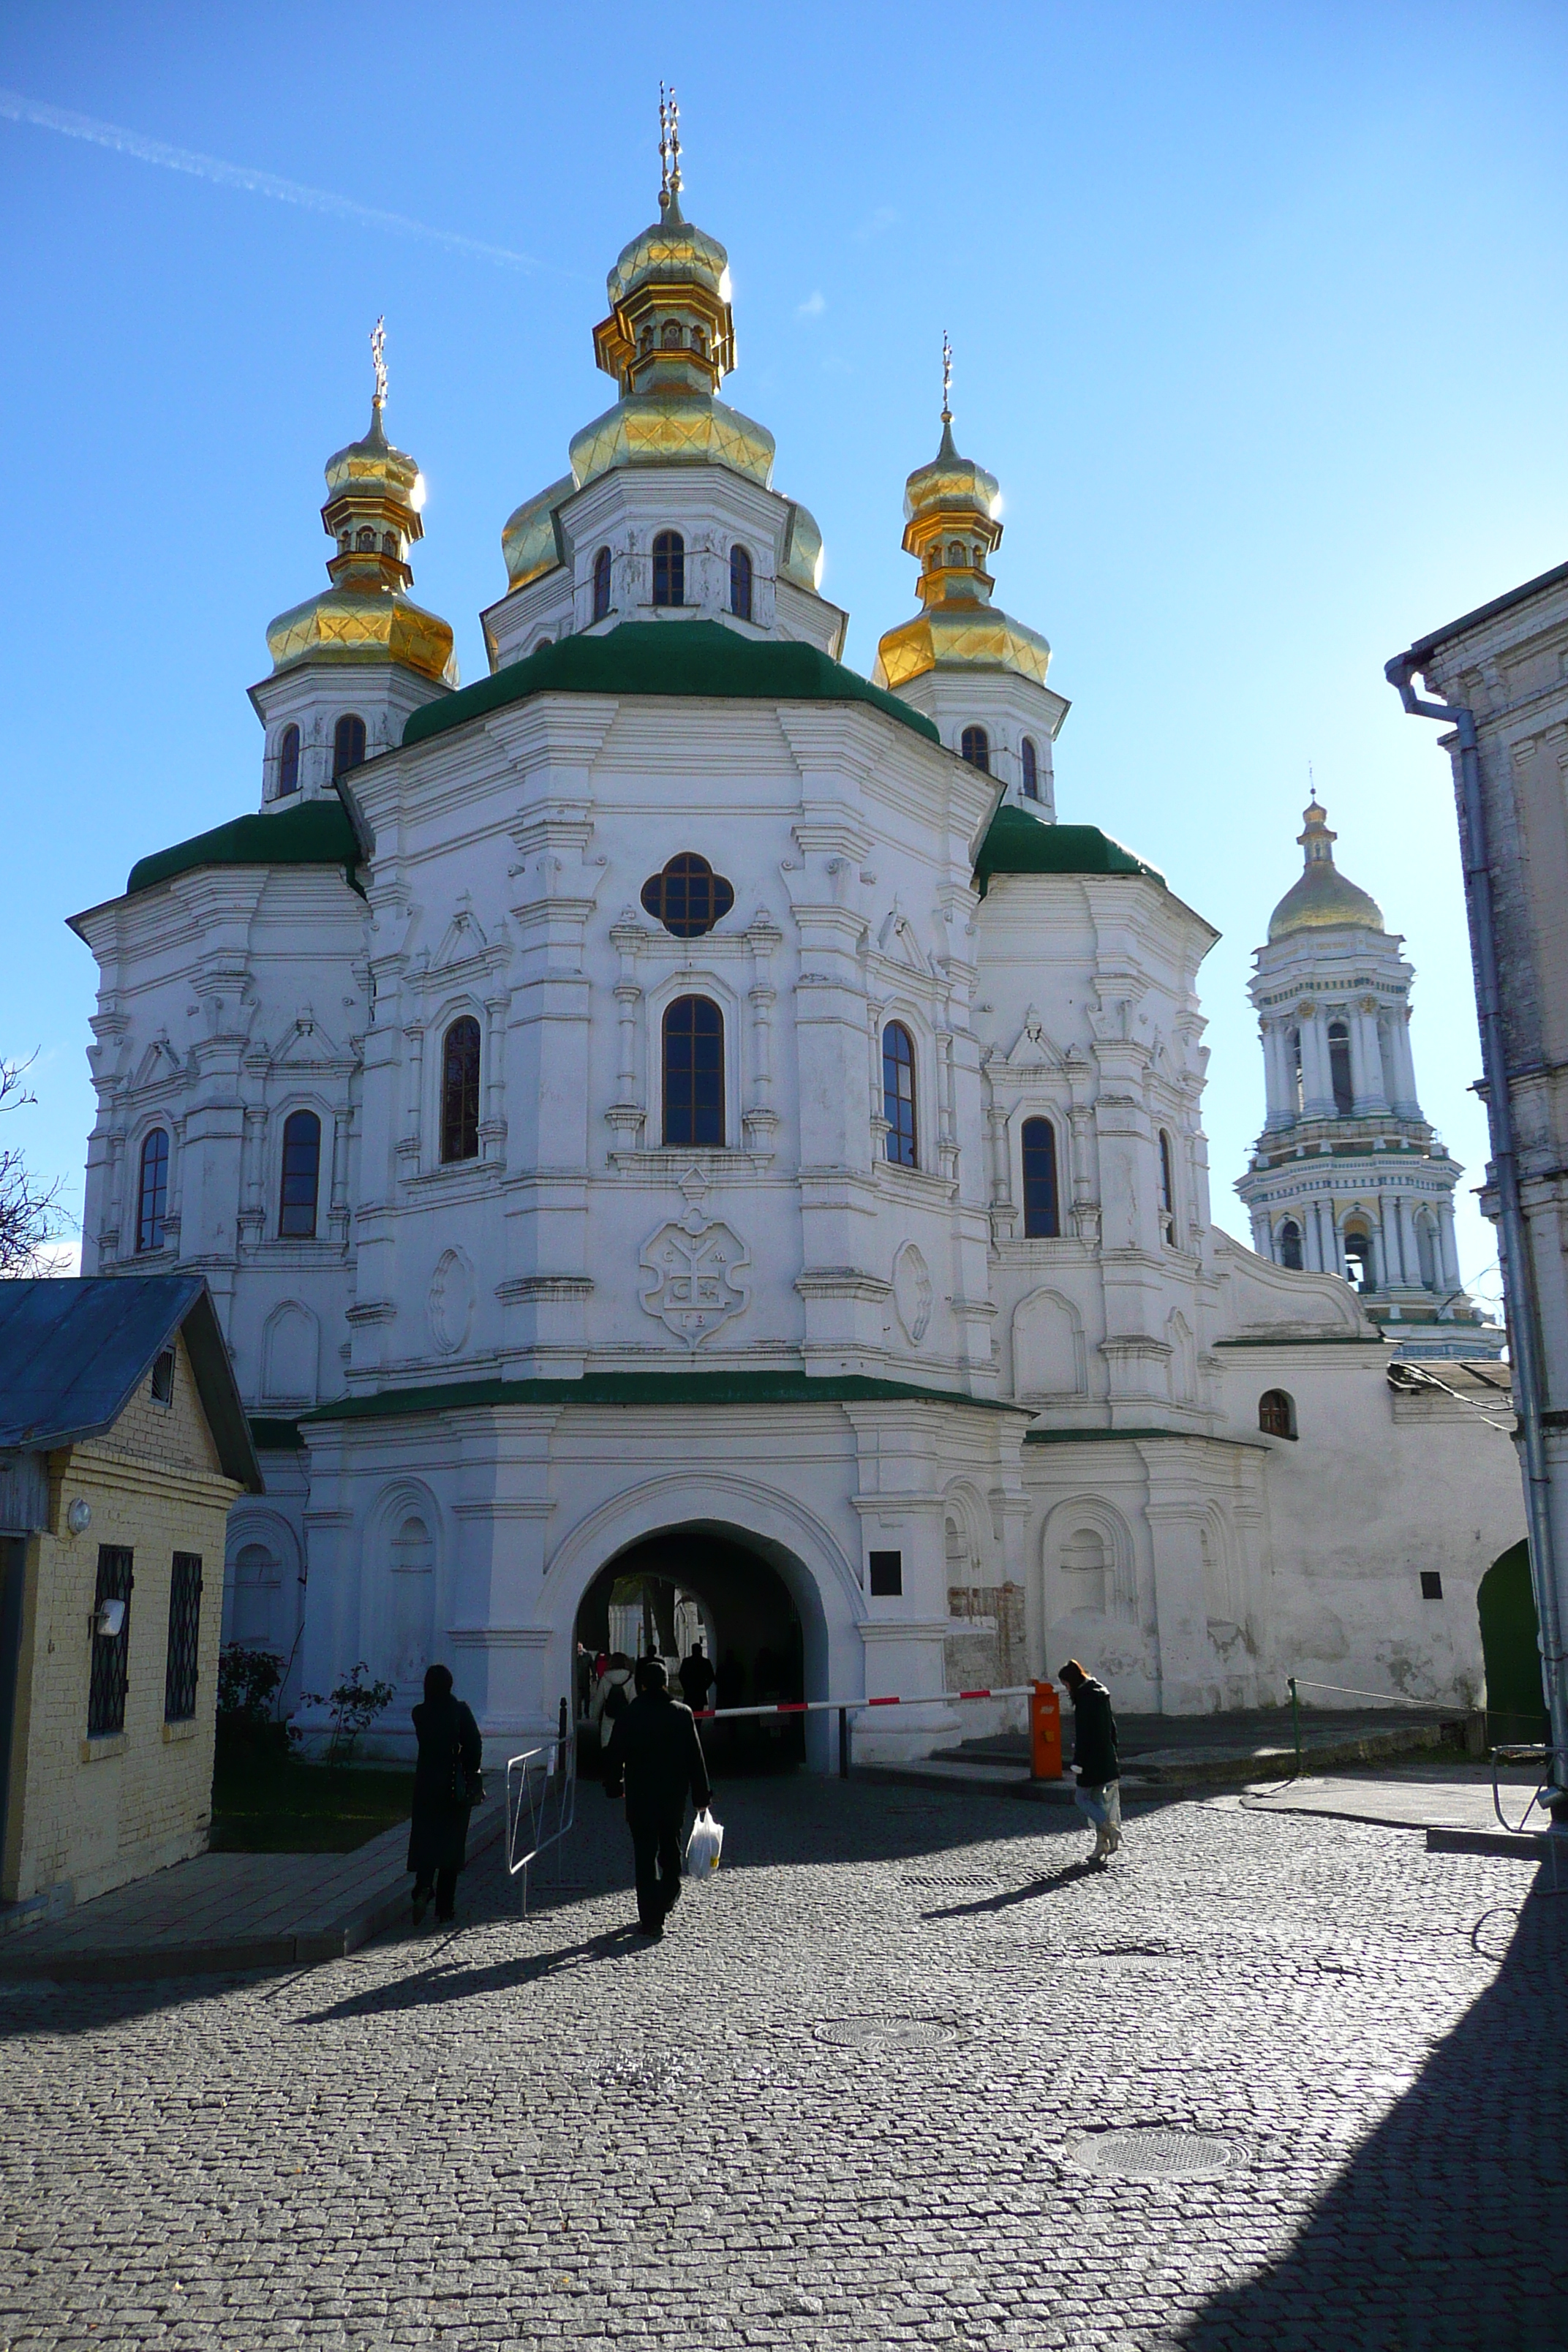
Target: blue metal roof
x,y
73,1354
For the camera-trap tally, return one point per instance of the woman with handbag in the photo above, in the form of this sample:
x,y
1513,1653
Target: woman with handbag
x,y
448,1785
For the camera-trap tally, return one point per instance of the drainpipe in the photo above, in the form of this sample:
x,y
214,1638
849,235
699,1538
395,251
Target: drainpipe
x,y
1518,1271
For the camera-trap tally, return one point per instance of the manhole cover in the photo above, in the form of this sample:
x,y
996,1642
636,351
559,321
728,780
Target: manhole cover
x,y
1155,2153
885,2032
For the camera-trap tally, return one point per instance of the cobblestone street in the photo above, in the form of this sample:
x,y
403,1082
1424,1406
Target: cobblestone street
x,y
849,2101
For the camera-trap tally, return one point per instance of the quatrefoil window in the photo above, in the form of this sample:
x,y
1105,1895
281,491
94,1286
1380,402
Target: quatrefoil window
x,y
688,896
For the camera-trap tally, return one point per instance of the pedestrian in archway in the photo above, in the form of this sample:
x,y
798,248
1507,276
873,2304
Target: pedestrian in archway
x,y
447,1786
1094,1757
696,1676
612,1696
656,1758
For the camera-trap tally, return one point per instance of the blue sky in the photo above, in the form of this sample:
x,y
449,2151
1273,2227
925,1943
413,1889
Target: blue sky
x,y
1259,316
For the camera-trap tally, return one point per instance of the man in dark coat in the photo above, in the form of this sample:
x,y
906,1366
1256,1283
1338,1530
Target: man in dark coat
x,y
696,1677
445,1777
1094,1756
656,1758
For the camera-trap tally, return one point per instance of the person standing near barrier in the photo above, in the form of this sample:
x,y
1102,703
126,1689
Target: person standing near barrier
x,y
447,1785
1094,1756
696,1677
656,1756
612,1696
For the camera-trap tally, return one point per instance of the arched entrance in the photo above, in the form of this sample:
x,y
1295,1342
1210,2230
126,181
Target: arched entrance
x,y
662,1592
1516,1709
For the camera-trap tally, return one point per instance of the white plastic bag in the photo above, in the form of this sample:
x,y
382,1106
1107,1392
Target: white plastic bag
x,y
703,1848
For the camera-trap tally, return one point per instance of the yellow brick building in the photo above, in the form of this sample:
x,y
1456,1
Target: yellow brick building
x,y
123,1444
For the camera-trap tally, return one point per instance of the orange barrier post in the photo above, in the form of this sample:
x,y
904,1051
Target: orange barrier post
x,y
1045,1733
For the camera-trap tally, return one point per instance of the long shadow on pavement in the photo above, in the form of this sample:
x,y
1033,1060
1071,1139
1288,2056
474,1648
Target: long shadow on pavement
x,y
1418,2242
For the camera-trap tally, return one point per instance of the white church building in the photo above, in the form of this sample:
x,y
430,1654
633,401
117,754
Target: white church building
x,y
677,1108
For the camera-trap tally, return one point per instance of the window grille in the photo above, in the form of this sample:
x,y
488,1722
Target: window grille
x,y
185,1629
686,897
460,1091
670,568
152,1204
975,747
348,744
1277,1414
899,1094
301,1175
694,1074
1042,1218
109,1681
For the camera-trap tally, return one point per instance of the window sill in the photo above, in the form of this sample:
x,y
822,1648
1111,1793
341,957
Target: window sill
x,y
184,1729
102,1743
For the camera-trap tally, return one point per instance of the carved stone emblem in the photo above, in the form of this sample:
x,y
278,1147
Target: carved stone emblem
x,y
693,1276
912,1293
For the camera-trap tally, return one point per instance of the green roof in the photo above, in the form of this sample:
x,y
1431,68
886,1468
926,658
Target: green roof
x,y
1017,843
647,1389
699,659
317,833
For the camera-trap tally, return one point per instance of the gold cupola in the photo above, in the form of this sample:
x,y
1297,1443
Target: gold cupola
x,y
372,513
1322,898
951,528
669,341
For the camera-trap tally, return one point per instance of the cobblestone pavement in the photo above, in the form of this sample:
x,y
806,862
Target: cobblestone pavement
x,y
851,2100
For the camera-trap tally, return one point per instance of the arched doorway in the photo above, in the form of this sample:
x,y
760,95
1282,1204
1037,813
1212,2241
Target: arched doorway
x,y
661,1593
1516,1709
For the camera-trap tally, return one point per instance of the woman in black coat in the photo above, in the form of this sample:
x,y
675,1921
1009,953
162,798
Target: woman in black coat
x,y
445,1783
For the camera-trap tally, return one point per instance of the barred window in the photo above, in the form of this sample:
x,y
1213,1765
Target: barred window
x,y
686,897
301,1175
694,1074
287,762
899,1094
184,1630
670,568
107,1681
348,743
153,1202
460,1090
975,747
1042,1219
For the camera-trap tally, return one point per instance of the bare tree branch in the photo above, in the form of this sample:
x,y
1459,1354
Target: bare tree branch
x,y
30,1214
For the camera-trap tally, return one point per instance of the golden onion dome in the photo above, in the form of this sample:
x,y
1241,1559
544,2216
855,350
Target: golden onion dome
x,y
672,252
1323,899
803,551
375,497
949,480
669,427
972,632
529,541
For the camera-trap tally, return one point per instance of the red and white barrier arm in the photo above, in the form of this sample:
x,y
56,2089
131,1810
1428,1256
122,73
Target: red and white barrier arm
x,y
854,1706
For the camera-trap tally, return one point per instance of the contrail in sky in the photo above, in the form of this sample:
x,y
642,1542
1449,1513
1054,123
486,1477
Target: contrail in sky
x,y
15,107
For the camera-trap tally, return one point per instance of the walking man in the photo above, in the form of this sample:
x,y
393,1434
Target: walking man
x,y
1095,1760
656,1756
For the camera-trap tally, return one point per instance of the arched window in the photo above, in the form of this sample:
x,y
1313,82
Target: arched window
x,y
899,1094
672,335
694,1074
602,585
348,743
287,762
1031,770
670,568
1340,1069
152,1194
389,543
1290,1245
955,555
301,1175
1277,1414
1167,1191
460,1090
740,583
1293,1067
1083,1571
1427,1251
1042,1218
366,540
1358,1259
976,748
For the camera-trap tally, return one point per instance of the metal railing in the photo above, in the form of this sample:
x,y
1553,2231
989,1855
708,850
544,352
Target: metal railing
x,y
541,1799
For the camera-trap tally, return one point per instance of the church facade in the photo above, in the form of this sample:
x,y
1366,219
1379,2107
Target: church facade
x,y
678,1106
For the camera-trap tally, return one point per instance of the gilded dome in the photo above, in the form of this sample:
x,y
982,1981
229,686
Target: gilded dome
x,y
951,528
1323,899
528,541
374,495
663,427
948,480
673,252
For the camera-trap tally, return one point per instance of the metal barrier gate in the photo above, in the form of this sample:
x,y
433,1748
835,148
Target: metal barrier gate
x,y
541,1799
